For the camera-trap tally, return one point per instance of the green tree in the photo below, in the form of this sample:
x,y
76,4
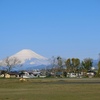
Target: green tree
x,y
68,65
87,63
98,73
72,64
75,64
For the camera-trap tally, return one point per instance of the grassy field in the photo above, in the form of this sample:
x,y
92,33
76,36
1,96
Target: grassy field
x,y
49,89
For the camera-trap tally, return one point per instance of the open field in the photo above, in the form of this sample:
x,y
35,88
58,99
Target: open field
x,y
50,89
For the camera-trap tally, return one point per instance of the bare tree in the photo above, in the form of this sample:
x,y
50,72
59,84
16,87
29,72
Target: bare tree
x,y
11,62
53,62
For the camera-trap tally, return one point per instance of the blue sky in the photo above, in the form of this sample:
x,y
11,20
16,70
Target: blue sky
x,y
66,28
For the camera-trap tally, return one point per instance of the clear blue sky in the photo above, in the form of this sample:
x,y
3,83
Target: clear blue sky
x,y
66,28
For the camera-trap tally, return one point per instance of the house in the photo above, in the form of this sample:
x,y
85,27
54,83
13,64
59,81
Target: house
x,y
27,75
91,74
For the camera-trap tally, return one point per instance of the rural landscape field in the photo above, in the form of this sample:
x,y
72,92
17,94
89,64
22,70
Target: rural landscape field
x,y
50,50
50,89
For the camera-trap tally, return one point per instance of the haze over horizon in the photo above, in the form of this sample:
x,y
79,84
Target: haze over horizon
x,y
66,28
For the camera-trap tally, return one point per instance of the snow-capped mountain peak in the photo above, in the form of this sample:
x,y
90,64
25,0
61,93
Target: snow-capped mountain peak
x,y
28,59
27,54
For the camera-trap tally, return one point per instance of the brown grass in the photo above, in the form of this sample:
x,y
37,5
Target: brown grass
x,y
47,89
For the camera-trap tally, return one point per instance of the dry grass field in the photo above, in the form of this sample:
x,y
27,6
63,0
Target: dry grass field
x,y
50,89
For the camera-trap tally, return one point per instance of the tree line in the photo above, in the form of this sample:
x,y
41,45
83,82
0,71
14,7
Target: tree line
x,y
73,65
58,64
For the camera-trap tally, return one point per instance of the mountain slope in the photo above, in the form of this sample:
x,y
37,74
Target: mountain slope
x,y
29,60
27,55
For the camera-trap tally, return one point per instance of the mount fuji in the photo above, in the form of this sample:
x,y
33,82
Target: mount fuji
x,y
29,55
30,60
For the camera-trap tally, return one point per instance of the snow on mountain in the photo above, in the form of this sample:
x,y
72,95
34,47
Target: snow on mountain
x,y
30,57
29,60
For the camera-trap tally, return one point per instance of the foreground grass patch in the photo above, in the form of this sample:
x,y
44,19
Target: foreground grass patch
x,y
39,89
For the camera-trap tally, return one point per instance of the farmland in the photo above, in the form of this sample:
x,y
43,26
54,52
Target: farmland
x,y
50,89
